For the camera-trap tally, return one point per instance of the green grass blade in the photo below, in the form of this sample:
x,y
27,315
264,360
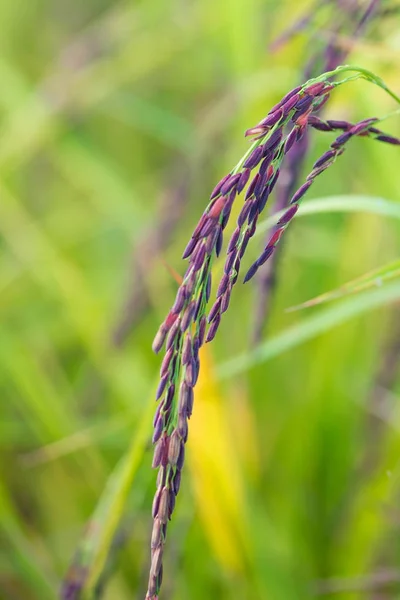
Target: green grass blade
x,y
374,278
349,203
310,328
94,548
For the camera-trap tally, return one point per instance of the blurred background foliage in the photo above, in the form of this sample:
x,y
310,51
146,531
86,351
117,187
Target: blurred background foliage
x,y
116,120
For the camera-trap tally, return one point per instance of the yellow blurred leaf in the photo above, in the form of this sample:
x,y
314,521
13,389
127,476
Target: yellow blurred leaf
x,y
215,470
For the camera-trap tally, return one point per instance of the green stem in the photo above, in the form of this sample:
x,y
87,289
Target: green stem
x,y
364,73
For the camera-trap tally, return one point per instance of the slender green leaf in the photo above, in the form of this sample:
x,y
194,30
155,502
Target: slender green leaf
x,y
310,328
374,278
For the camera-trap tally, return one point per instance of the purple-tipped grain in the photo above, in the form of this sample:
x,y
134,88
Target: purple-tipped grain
x,y
292,102
273,141
302,106
335,124
265,164
174,448
263,200
202,329
342,139
252,215
216,191
163,512
219,242
251,187
161,386
158,429
199,226
265,256
290,140
159,339
187,316
301,191
388,139
274,180
208,227
187,352
245,240
186,398
180,299
181,457
166,362
160,453
361,126
272,119
260,186
230,184
286,98
230,261
225,300
315,89
250,273
318,124
213,328
176,482
214,310
211,240
289,214
244,178
169,396
223,284
234,239
189,248
208,287
254,158
327,156
198,257
173,334
244,213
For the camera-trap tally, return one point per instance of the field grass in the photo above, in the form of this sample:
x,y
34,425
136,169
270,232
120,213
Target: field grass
x,y
116,121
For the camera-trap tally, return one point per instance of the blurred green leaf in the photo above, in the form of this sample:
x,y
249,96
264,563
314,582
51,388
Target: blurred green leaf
x,y
309,328
93,550
374,278
346,203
